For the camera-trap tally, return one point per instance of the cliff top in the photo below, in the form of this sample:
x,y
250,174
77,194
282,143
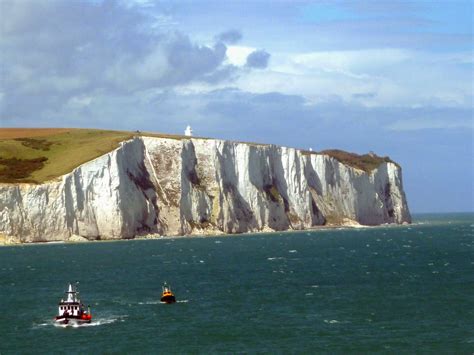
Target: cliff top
x,y
35,155
365,162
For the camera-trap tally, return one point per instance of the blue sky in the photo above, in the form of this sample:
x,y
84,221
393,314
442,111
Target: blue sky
x,y
395,77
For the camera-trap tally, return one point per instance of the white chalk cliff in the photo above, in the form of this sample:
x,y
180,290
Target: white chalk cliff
x,y
199,186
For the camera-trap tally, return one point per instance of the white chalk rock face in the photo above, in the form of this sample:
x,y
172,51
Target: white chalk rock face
x,y
199,186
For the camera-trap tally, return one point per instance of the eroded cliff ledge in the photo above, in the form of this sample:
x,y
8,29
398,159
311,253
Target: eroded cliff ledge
x,y
172,187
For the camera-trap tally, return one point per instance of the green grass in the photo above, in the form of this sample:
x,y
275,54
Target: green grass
x,y
38,159
27,158
366,162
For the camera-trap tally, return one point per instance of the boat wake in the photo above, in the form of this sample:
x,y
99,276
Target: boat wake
x,y
94,323
334,321
180,301
159,302
149,302
41,325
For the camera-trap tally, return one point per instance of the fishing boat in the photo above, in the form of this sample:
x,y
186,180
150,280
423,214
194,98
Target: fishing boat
x,y
72,311
167,295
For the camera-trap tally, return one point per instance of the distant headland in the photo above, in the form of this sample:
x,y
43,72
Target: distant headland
x,y
69,184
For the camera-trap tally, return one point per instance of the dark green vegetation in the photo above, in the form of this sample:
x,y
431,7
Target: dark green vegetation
x,y
15,169
35,143
20,169
366,162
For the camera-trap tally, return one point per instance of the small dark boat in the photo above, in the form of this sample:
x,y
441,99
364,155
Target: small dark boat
x,y
167,296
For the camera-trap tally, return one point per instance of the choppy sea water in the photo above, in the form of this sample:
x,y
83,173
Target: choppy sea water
x,y
386,289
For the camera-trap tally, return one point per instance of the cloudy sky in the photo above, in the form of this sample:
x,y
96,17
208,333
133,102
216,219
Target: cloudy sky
x,y
394,77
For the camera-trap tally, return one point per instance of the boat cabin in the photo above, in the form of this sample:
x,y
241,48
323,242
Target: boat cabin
x,y
71,306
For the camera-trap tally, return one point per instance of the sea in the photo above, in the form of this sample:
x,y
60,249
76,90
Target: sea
x,y
388,289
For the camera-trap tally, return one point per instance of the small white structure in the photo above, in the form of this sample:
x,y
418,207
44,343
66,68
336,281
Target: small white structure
x,y
188,132
310,149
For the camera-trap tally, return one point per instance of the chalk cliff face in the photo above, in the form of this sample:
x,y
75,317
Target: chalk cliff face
x,y
199,186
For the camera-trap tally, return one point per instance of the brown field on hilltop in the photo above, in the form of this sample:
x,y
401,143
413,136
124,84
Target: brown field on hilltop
x,y
12,133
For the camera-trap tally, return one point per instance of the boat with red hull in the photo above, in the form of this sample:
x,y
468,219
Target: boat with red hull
x,y
72,311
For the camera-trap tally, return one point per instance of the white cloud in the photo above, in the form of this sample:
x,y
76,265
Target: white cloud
x,y
51,55
351,62
237,55
122,56
373,78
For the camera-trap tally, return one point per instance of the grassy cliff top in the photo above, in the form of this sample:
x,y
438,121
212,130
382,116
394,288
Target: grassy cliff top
x,y
36,155
365,162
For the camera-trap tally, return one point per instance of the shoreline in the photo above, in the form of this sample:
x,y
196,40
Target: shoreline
x,y
83,240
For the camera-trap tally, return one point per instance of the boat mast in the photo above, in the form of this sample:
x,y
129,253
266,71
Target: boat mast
x,y
71,294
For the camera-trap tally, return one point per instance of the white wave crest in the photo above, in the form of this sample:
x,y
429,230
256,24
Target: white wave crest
x,y
96,322
149,302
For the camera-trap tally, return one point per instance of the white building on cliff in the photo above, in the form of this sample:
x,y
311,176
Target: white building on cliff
x,y
188,131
